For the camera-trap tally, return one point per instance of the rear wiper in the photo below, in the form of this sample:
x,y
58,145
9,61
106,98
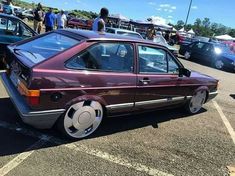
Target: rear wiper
x,y
17,49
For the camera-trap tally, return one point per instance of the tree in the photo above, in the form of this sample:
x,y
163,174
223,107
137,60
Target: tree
x,y
206,22
179,25
198,23
232,32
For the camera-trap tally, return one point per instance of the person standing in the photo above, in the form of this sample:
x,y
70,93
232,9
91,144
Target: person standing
x,y
99,22
8,8
49,20
151,33
61,20
38,18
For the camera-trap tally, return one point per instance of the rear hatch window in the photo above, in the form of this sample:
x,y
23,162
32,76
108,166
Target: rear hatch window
x,y
42,48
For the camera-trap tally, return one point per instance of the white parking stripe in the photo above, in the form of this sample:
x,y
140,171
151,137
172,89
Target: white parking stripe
x,y
117,160
84,149
21,157
225,120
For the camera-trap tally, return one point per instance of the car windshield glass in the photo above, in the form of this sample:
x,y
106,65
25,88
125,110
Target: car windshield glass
x,y
45,47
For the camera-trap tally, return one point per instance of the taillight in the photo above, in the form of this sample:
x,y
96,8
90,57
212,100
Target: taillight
x,y
32,96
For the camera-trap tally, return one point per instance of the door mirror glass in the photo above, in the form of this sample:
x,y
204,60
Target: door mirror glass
x,y
184,72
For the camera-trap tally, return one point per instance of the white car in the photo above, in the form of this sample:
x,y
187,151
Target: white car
x,y
123,32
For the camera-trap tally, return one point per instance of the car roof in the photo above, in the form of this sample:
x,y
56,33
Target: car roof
x,y
122,30
91,35
96,36
9,16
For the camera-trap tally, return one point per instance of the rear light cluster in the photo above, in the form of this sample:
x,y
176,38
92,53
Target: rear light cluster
x,y
32,96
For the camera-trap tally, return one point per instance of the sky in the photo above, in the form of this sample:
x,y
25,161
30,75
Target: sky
x,y
219,11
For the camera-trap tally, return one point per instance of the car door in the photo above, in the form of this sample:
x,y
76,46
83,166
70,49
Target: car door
x,y
207,54
157,78
197,51
107,70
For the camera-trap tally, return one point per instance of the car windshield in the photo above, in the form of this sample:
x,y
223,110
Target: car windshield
x,y
45,47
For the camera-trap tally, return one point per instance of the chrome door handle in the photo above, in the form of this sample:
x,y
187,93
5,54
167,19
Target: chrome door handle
x,y
145,81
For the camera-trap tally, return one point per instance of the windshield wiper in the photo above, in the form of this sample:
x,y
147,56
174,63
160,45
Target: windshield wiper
x,y
17,49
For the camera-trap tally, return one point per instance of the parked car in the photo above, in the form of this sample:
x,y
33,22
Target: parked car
x,y
80,23
12,30
159,39
217,55
26,15
74,78
123,32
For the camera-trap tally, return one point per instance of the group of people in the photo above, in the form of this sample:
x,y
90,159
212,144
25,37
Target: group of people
x,y
50,19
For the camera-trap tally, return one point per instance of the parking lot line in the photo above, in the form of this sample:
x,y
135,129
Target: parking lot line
x,y
21,157
117,160
225,120
81,148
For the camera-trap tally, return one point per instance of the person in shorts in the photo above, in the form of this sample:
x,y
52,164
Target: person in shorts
x,y
38,18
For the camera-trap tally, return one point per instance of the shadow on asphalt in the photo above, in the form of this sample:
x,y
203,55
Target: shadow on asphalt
x,y
15,143
232,95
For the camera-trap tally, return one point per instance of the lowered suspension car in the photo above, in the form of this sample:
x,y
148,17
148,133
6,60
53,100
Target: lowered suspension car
x,y
74,78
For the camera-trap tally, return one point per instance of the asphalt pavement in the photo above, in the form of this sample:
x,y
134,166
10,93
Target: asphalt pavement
x,y
159,143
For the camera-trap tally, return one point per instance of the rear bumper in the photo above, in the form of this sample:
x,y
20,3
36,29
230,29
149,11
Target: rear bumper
x,y
211,95
38,119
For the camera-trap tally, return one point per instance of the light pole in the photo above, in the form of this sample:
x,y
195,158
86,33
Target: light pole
x,y
189,8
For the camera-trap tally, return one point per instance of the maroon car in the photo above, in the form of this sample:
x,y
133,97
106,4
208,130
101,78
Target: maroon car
x,y
74,78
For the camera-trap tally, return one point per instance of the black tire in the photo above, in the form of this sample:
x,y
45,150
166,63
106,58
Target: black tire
x,y
195,103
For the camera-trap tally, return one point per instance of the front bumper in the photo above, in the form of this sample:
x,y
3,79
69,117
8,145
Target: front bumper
x,y
211,95
38,119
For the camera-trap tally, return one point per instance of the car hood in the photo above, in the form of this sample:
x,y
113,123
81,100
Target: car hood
x,y
195,74
229,56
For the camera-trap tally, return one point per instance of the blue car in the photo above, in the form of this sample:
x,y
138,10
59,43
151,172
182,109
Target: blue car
x,y
217,55
12,29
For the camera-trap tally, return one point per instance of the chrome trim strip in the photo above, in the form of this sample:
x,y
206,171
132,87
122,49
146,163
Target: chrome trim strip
x,y
213,93
140,103
123,105
48,111
159,101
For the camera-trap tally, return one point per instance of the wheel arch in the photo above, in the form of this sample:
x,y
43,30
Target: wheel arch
x,y
203,88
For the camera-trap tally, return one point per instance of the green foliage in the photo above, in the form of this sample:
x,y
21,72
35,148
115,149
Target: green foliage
x,y
77,13
204,27
179,25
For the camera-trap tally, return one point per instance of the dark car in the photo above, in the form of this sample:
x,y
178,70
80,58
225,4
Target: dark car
x,y
75,78
12,30
217,55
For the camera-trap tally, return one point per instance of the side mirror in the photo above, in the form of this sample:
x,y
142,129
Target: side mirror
x,y
184,72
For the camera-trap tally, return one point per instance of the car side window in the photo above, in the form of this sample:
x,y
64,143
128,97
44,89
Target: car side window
x,y
173,67
24,31
199,46
115,57
9,27
152,60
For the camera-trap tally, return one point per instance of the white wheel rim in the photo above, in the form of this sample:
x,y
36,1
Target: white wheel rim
x,y
187,55
83,118
219,64
197,101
